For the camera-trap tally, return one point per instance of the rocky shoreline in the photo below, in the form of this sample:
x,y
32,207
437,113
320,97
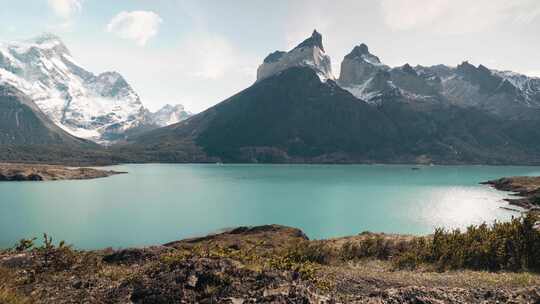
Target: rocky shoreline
x,y
34,172
527,188
247,265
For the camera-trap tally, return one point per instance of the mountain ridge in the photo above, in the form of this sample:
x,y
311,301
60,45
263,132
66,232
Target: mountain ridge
x,y
103,107
402,115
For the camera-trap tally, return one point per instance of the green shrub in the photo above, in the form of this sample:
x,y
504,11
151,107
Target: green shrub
x,y
510,246
24,245
371,247
57,258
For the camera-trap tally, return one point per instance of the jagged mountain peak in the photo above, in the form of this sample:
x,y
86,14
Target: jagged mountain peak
x,y
363,74
310,53
361,52
358,51
316,40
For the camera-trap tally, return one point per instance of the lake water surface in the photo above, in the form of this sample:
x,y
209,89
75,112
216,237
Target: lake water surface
x,y
157,203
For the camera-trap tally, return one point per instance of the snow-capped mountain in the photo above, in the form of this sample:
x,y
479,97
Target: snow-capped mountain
x,y
97,107
506,94
169,115
365,76
309,53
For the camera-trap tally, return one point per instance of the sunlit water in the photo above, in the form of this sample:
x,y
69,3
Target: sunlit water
x,y
155,204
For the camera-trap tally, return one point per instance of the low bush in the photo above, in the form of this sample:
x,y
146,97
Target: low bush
x,y
371,247
509,246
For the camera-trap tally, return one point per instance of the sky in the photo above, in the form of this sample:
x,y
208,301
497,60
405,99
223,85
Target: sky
x,y
200,52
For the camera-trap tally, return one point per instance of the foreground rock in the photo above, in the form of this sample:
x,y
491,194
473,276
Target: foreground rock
x,y
526,187
28,172
244,265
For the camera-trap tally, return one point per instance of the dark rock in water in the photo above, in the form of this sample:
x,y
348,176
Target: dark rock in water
x,y
34,177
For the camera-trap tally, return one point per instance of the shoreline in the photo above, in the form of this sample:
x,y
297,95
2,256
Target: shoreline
x,y
526,188
256,264
10,172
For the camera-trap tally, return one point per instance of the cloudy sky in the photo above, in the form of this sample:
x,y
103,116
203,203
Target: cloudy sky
x,y
200,52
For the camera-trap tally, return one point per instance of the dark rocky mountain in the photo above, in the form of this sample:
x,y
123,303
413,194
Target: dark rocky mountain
x,y
294,117
27,134
297,111
505,94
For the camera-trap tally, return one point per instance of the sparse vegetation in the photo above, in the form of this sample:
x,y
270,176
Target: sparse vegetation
x,y
267,261
510,246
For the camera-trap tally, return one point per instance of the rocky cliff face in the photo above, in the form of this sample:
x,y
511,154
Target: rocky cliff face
x,y
363,74
309,53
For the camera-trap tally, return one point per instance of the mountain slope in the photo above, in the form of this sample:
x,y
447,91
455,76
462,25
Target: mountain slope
x,y
21,122
98,107
294,117
373,113
27,134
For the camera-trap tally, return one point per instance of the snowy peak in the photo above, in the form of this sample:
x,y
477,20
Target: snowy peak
x,y
101,108
46,44
169,115
310,53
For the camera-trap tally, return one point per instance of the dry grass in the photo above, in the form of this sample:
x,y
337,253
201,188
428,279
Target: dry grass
x,y
8,294
378,270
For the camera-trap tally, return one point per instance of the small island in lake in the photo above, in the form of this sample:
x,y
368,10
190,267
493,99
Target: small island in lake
x,y
34,172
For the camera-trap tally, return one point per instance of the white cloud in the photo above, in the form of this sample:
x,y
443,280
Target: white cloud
x,y
65,8
139,26
207,56
456,16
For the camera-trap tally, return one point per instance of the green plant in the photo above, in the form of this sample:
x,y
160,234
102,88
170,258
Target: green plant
x,y
24,245
510,246
371,247
57,258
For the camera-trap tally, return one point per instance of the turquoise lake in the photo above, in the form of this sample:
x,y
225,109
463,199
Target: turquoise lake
x,y
158,203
